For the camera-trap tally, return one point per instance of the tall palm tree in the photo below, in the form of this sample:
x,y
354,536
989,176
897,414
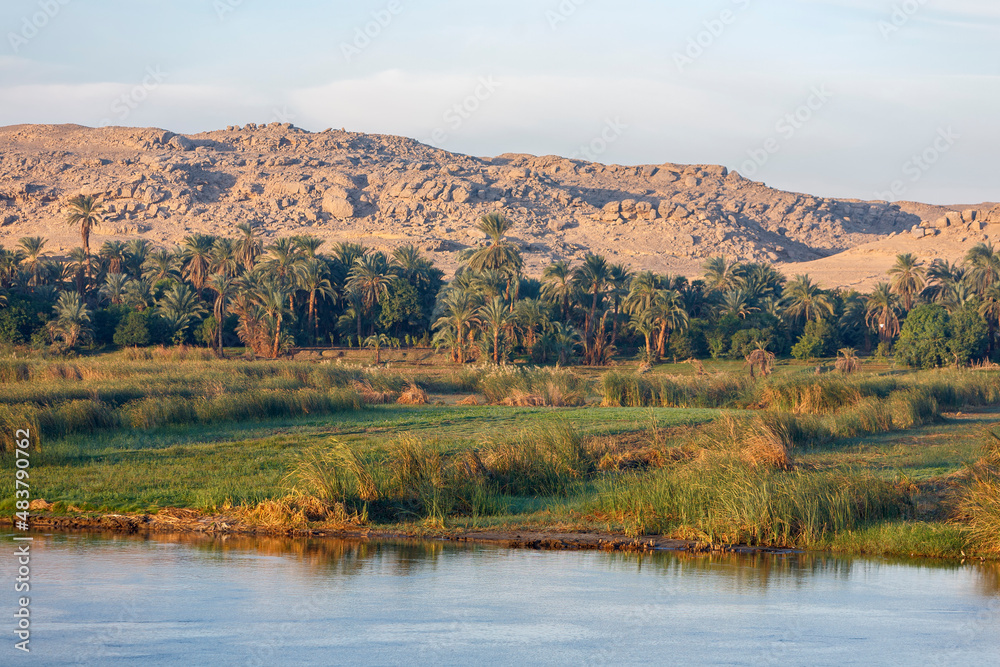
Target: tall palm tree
x,y
86,212
459,319
592,279
804,300
668,314
273,300
500,254
197,253
225,287
532,318
558,286
496,323
882,312
643,291
370,278
313,279
909,278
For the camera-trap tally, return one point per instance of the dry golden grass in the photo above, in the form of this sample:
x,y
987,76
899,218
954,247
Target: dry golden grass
x,y
412,395
371,396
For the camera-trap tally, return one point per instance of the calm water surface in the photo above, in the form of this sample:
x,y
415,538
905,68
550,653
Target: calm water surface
x,y
111,600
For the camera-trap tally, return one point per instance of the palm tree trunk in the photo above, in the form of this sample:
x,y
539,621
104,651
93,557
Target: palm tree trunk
x,y
312,317
277,339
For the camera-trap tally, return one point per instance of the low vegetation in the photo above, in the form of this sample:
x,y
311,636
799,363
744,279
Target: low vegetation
x,y
702,453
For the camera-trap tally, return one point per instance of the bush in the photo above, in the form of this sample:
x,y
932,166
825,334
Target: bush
x,y
132,331
923,341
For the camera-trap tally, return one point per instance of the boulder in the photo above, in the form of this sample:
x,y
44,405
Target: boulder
x,y
970,215
954,218
180,143
338,207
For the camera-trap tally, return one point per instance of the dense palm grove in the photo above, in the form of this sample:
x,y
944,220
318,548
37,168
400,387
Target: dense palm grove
x,y
224,291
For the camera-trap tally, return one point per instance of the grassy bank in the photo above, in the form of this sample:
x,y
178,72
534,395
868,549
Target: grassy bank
x,y
892,463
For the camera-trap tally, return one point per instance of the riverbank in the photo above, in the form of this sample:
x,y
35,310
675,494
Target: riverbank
x,y
877,463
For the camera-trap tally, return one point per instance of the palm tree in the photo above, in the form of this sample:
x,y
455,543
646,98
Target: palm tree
x,y
532,318
370,279
161,265
882,312
619,282
500,254
645,286
642,323
458,321
180,307
86,212
496,323
668,314
114,288
197,253
77,264
115,254
721,275
847,361
72,322
737,302
558,286
273,298
33,253
248,246
806,301
313,279
565,341
984,266
225,288
592,279
909,278
225,258
376,342
137,250
307,245
139,294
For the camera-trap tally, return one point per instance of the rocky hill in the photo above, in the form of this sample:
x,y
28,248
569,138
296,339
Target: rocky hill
x,y
385,191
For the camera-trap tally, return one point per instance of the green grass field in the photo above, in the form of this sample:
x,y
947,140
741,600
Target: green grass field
x,y
884,462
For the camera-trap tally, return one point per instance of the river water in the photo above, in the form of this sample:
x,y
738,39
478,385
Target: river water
x,y
180,600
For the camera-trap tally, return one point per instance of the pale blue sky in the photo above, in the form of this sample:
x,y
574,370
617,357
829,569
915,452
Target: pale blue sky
x,y
559,71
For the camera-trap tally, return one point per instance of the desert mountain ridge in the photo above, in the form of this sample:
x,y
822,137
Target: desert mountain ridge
x,y
384,191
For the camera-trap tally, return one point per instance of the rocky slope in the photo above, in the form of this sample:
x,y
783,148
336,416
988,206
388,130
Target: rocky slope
x,y
384,191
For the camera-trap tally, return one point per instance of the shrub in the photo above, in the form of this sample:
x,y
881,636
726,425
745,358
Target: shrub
x,y
132,331
923,341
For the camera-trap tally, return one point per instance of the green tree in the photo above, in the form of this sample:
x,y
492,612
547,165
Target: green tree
x,y
85,212
923,340
132,331
909,278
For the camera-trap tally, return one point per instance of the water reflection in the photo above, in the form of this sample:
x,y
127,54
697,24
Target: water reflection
x,y
181,599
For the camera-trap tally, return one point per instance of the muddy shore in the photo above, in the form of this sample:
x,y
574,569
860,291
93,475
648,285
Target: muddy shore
x,y
187,521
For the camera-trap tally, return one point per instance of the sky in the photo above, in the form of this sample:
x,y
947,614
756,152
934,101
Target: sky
x,y
867,99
